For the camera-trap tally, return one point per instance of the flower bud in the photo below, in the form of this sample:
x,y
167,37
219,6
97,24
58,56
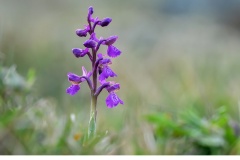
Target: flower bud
x,y
105,22
89,43
90,10
77,52
81,32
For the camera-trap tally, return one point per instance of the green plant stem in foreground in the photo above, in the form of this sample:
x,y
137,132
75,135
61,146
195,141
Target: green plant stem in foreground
x,y
93,109
93,116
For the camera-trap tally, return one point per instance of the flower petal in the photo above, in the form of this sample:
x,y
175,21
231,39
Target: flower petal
x,y
84,71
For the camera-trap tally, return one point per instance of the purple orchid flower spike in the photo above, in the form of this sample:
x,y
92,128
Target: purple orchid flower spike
x,y
101,71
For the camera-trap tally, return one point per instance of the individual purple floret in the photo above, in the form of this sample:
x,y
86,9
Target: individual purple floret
x,y
100,63
112,99
75,80
106,72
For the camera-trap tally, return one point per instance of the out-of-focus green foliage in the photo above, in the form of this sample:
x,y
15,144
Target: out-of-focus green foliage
x,y
13,87
40,131
34,127
195,134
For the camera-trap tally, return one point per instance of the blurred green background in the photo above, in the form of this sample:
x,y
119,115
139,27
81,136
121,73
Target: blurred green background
x,y
179,76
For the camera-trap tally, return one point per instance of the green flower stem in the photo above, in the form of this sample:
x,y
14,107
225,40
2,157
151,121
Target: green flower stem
x,y
93,116
93,109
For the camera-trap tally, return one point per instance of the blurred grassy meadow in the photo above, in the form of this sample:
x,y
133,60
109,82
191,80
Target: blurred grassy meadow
x,y
179,73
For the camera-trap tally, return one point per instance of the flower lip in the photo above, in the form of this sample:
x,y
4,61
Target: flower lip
x,y
113,100
73,89
89,43
113,51
105,22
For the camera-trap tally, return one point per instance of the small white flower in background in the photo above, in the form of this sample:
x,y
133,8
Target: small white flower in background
x,y
72,117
